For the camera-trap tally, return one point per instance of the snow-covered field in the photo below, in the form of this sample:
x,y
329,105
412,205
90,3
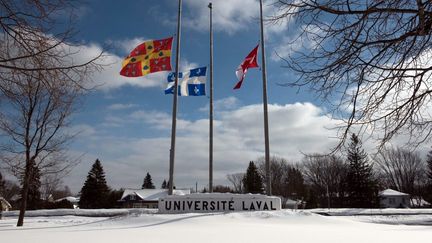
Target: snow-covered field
x,y
121,226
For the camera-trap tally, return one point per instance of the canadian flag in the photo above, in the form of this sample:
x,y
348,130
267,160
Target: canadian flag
x,y
249,62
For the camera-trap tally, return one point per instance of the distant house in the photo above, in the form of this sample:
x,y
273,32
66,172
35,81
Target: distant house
x,y
294,204
146,198
4,205
393,199
72,200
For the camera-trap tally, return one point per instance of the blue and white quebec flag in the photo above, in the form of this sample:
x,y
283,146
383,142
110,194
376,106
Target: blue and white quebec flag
x,y
190,83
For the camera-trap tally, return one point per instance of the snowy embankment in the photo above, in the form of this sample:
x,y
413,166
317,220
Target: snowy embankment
x,y
150,226
395,216
81,212
372,211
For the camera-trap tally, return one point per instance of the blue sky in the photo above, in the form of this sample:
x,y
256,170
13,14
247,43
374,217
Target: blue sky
x,y
126,122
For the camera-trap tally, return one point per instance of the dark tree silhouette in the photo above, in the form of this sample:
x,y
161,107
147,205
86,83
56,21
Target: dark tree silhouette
x,y
95,192
326,176
2,185
294,183
252,180
148,184
428,194
361,186
164,185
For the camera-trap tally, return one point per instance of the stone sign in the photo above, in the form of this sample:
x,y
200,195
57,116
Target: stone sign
x,y
218,202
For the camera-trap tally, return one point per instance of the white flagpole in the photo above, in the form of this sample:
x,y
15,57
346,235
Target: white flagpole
x,y
266,129
211,106
174,111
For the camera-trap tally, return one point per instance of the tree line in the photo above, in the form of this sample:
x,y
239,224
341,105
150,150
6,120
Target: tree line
x,y
349,180
352,179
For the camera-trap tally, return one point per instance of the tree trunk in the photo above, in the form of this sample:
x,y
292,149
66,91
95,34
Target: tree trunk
x,y
24,193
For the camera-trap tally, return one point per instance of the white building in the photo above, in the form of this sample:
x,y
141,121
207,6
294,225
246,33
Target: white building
x,y
393,199
73,200
146,198
4,205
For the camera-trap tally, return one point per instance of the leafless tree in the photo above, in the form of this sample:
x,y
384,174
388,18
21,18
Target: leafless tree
x,y
326,174
11,189
286,178
402,169
52,186
371,57
25,24
278,171
237,181
41,82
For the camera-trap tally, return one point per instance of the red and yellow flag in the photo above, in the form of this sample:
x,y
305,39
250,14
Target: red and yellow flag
x,y
149,57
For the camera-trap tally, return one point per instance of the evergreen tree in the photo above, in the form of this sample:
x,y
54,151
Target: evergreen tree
x,y
168,185
2,185
95,192
147,184
164,185
113,197
360,184
252,181
34,195
429,167
428,195
294,184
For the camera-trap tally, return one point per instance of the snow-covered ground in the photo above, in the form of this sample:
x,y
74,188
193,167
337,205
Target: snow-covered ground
x,y
121,226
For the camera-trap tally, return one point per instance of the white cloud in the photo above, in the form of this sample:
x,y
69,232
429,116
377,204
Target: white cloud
x,y
228,103
294,129
238,138
228,15
232,16
127,45
121,106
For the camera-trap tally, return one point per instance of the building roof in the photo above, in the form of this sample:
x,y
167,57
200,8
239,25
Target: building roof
x,y
69,199
390,192
152,194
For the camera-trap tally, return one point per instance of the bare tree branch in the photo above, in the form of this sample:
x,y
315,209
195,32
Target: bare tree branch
x,y
369,60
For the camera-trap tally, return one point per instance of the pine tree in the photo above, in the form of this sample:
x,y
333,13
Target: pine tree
x,y
429,177
147,184
360,184
294,184
95,192
164,185
429,167
252,181
2,185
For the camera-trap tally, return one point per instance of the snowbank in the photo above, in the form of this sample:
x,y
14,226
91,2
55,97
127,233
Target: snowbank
x,y
374,211
82,212
250,227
